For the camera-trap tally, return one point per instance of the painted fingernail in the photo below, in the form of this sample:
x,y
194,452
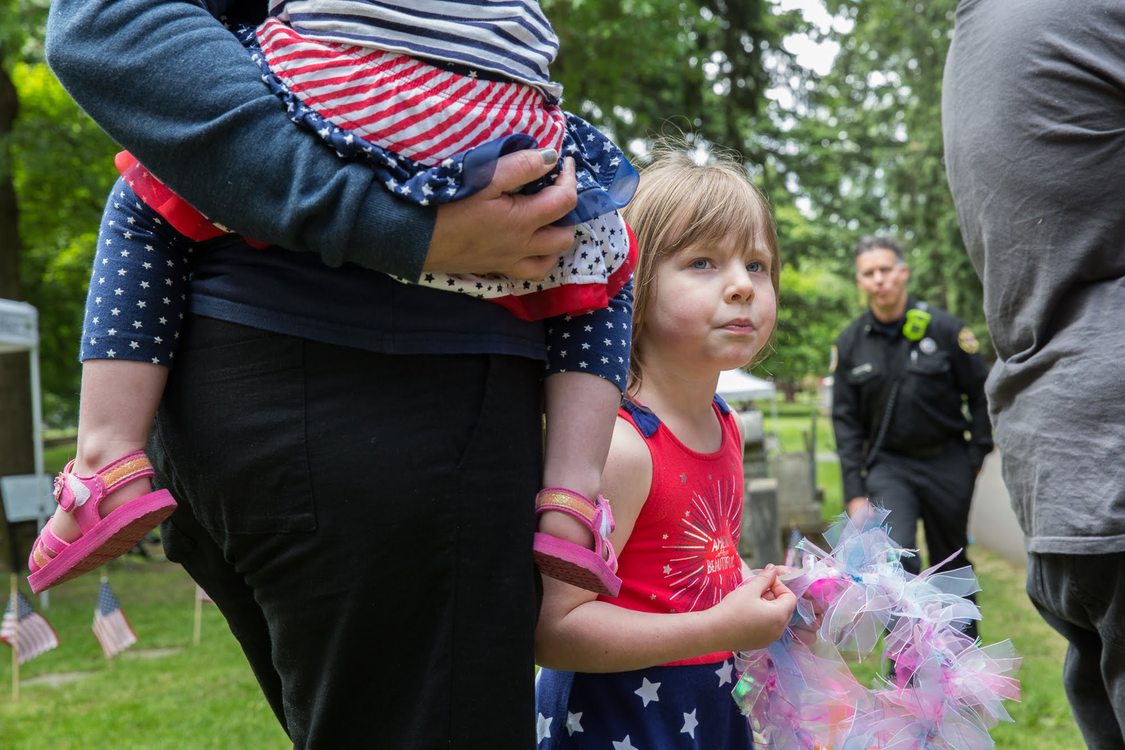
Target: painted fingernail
x,y
549,155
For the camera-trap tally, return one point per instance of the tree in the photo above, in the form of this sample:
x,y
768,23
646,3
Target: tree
x,y
853,151
870,154
641,68
813,303
16,451
63,172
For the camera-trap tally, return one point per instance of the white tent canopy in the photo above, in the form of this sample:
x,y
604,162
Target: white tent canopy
x,y
736,385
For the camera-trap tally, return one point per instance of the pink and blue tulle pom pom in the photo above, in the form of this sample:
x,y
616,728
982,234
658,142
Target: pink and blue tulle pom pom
x,y
945,690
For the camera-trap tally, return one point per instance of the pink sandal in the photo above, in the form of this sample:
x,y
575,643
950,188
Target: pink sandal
x,y
594,570
53,561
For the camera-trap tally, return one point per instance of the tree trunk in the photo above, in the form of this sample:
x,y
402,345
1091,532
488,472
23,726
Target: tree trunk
x,y
789,389
16,449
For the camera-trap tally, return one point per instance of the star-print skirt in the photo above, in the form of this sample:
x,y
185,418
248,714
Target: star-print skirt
x,y
659,708
433,134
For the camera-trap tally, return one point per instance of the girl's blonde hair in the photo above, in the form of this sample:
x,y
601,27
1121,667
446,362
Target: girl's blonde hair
x,y
681,203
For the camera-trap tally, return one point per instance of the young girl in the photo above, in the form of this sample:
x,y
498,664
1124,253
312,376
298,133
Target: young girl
x,y
653,668
429,95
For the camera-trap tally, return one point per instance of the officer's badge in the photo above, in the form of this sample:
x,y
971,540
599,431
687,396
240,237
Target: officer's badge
x,y
967,341
927,345
834,359
914,327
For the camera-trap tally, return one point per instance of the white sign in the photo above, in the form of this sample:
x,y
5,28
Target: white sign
x,y
19,326
24,498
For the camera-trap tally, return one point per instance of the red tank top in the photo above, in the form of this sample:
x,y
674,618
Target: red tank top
x,y
682,555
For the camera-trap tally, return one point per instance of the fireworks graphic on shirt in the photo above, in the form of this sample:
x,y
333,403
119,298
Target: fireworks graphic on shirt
x,y
705,565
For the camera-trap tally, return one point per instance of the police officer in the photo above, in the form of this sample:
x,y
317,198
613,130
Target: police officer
x,y
903,374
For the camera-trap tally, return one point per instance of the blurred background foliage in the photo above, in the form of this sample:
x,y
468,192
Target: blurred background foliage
x,y
834,105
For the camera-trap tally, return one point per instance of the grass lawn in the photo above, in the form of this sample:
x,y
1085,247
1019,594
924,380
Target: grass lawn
x,y
55,458
1043,718
165,692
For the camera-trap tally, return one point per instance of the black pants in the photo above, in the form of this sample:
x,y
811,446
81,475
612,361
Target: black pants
x,y
937,490
1083,598
364,523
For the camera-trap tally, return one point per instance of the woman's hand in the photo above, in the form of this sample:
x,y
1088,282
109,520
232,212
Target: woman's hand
x,y
499,231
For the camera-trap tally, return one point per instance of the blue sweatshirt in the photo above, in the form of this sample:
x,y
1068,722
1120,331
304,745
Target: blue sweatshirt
x,y
168,82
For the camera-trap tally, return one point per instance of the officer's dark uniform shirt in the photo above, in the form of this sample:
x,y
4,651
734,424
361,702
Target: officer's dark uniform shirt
x,y
938,370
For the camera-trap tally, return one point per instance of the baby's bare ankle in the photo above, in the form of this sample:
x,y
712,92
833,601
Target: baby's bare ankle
x,y
565,527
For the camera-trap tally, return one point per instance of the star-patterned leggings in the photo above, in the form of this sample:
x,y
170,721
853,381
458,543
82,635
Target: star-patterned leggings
x,y
138,296
138,287
659,708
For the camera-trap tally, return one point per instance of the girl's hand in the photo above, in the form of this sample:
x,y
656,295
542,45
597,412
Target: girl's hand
x,y
808,632
755,614
817,597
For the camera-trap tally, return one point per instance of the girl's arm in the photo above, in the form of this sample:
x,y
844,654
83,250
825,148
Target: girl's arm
x,y
164,79
578,633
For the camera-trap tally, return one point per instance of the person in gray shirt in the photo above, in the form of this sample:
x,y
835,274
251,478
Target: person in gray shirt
x,y
1034,126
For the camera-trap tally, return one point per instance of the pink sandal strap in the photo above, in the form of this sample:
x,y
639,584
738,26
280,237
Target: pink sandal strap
x,y
82,495
591,569
596,515
566,501
54,561
124,470
47,547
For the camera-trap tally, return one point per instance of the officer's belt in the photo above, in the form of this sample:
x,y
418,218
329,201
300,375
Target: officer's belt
x,y
927,451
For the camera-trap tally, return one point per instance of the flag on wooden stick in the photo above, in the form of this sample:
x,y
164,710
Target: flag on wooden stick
x,y
201,598
110,626
25,630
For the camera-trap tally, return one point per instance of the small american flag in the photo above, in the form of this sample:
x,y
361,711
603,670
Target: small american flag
x,y
26,630
110,626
